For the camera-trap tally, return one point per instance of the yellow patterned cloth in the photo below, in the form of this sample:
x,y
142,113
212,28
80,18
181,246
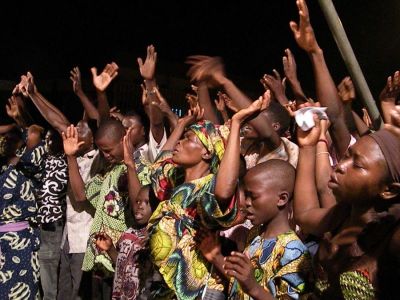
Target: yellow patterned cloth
x,y
174,223
282,265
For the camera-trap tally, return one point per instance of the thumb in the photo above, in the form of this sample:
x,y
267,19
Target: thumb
x,y
94,71
140,62
294,27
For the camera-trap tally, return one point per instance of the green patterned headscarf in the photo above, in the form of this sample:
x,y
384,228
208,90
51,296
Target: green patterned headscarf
x,y
212,138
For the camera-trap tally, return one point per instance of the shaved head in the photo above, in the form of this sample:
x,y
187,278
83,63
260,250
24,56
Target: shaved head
x,y
111,129
274,172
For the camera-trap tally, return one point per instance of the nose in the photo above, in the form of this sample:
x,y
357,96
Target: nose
x,y
341,166
248,202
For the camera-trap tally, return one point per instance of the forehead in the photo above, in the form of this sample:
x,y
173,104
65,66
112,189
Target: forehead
x,y
368,148
106,143
255,181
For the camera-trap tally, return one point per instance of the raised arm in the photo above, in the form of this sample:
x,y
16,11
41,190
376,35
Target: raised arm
x,y
71,148
221,107
211,68
133,180
290,69
388,96
101,83
307,210
166,109
193,115
325,87
205,102
228,173
147,71
274,83
89,108
52,114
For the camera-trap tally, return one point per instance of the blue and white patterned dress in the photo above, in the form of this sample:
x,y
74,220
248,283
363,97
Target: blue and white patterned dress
x,y
19,265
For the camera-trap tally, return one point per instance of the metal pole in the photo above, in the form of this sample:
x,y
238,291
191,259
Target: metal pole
x,y
350,60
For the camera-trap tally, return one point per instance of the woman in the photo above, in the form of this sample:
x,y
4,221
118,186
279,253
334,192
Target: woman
x,y
19,239
198,188
358,257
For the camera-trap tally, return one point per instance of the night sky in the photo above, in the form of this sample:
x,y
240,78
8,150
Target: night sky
x,y
49,39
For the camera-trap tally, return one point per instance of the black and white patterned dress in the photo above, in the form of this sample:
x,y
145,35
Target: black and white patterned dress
x,y
53,189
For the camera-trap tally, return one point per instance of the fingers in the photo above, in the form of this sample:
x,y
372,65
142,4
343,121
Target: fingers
x,y
140,62
94,71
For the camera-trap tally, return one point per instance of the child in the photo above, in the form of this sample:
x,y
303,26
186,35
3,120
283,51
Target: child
x,y
133,268
275,262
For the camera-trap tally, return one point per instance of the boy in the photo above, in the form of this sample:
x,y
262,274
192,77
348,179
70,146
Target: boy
x,y
275,263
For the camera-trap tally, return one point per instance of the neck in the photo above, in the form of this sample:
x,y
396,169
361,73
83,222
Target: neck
x,y
198,171
277,226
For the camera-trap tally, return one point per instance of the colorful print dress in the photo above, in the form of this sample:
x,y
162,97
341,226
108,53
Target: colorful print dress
x,y
174,223
108,195
282,265
19,264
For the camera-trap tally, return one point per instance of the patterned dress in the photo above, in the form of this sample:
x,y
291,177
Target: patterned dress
x,y
282,265
108,195
174,223
133,267
19,265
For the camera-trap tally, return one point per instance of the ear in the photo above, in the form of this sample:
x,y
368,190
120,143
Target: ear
x,y
206,155
276,126
283,199
391,191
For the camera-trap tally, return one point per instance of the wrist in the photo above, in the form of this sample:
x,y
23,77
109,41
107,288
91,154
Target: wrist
x,y
150,84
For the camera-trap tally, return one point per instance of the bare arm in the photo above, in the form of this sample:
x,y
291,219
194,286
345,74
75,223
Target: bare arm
x,y
290,69
101,83
133,180
323,169
205,102
389,95
325,87
228,173
147,71
211,68
71,148
51,113
89,108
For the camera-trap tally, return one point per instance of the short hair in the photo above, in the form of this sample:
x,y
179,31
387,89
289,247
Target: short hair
x,y
111,129
279,172
276,113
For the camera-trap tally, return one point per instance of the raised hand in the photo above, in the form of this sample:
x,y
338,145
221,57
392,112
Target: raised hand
x,y
148,68
238,265
311,137
392,88
275,84
254,108
70,141
289,66
12,108
162,103
228,102
303,32
206,68
102,81
128,149
194,115
115,113
346,90
394,126
145,98
193,100
76,80
220,103
103,241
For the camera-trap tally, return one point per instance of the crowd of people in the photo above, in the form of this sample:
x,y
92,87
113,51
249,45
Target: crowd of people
x,y
234,200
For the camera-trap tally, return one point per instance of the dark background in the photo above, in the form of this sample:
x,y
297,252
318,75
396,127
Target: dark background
x,y
49,38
